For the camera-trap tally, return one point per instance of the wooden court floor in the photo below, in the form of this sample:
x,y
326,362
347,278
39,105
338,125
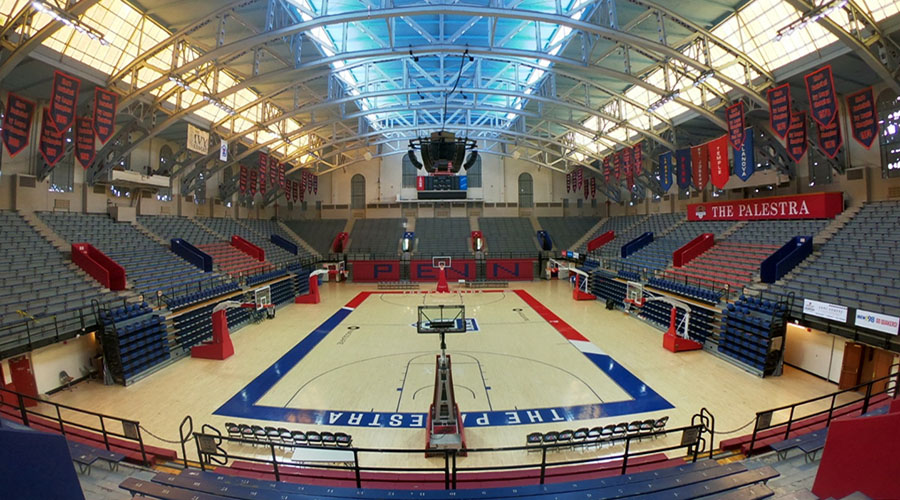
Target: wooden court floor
x,y
374,363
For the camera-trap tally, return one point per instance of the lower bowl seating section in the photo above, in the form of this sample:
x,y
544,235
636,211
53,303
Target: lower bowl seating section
x,y
134,340
565,231
262,278
282,292
727,263
169,227
618,224
195,326
266,228
694,292
234,262
318,233
439,236
203,295
857,267
149,266
702,319
630,275
658,224
750,327
776,232
508,235
226,228
658,255
300,280
36,279
603,286
376,236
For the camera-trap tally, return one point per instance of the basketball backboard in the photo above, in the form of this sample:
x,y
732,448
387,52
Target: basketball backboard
x,y
262,297
441,319
437,261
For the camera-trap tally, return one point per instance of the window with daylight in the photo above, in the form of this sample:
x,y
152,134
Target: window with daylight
x,y
358,192
888,104
526,190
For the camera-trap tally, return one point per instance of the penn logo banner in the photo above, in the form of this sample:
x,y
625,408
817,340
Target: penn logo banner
x,y
734,117
863,119
830,140
85,147
51,144
744,159
17,123
719,171
683,164
665,171
106,104
63,100
700,166
797,137
243,179
780,109
822,98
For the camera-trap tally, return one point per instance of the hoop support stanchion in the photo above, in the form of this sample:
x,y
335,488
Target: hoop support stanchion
x,y
312,297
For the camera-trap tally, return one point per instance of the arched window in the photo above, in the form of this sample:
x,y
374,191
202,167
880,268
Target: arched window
x,y
526,190
409,173
358,192
888,105
166,160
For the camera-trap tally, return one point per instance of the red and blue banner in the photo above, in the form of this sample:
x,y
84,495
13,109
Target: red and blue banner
x,y
863,118
587,187
607,168
780,109
243,182
683,166
106,104
273,172
63,100
797,136
744,158
51,144
628,166
700,166
830,140
823,103
315,182
253,176
593,188
281,175
719,170
17,123
665,171
85,147
801,206
263,173
508,269
638,160
569,182
376,270
734,118
617,165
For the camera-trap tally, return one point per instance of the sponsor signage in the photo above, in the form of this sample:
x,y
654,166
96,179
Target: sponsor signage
x,y
825,310
804,206
877,321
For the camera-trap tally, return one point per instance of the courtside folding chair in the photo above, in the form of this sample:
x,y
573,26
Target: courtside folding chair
x,y
259,433
272,435
285,435
343,439
313,438
533,441
606,434
550,437
660,425
299,437
233,429
328,438
646,428
580,436
565,437
593,436
246,431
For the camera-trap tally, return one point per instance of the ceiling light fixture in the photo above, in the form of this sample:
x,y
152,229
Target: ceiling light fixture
x,y
812,16
69,20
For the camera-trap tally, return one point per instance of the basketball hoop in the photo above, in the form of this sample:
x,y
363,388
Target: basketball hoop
x,y
634,295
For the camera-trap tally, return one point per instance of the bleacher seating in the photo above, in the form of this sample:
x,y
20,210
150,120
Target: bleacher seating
x,y
565,231
727,263
776,232
376,236
508,235
658,224
39,281
694,292
857,267
318,233
233,261
658,255
149,266
750,327
266,228
226,228
135,340
440,236
170,227
617,224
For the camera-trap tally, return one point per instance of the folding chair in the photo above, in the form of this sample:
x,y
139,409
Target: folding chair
x,y
533,441
343,439
328,438
233,429
313,438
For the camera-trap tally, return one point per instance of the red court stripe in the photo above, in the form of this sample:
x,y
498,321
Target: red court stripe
x,y
359,299
561,326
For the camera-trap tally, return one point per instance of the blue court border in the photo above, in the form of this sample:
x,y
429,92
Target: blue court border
x,y
243,404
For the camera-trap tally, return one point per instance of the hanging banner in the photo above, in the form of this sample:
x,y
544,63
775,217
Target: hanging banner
x,y
683,166
223,150
17,123
253,176
617,165
780,109
665,171
309,181
797,136
823,103
288,195
700,166
587,188
607,168
830,140
106,104
569,183
281,175
243,179
638,159
593,188
734,117
63,100
863,119
263,175
84,141
744,159
273,172
51,143
300,187
303,182
628,167
719,169
802,206
315,184
295,189
197,140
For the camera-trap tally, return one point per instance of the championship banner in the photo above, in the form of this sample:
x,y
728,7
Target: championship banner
x,y
593,188
51,144
638,159
617,165
63,100
797,136
823,102
263,175
719,170
607,168
780,109
734,117
17,123
84,141
253,175
299,186
801,206
569,183
273,172
281,175
243,179
106,104
744,158
863,120
665,171
628,167
683,164
830,140
315,184
700,166
287,191
309,183
587,188
303,183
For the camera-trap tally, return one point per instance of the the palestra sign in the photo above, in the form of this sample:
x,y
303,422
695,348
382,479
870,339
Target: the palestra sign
x,y
803,206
